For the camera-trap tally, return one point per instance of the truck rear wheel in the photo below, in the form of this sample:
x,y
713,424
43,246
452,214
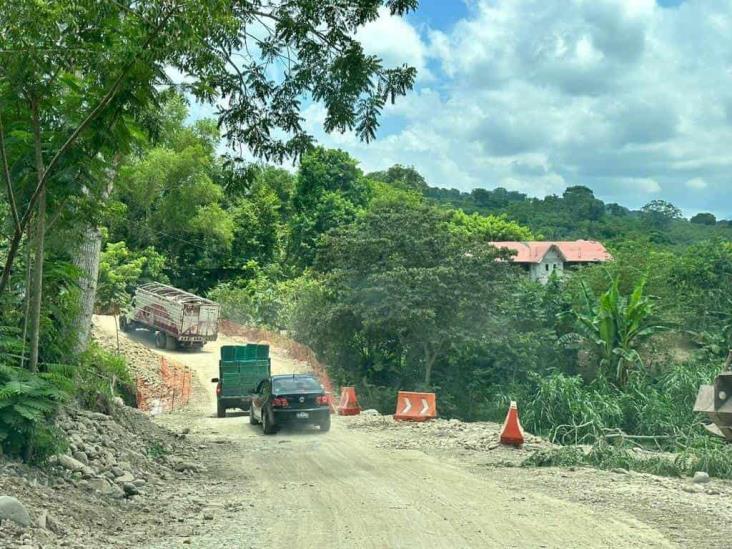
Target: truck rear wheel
x,y
160,340
220,410
171,344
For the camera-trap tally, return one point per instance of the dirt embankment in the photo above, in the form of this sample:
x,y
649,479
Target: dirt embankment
x,y
106,489
161,383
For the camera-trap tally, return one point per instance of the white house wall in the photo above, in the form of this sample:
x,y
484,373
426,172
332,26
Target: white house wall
x,y
552,262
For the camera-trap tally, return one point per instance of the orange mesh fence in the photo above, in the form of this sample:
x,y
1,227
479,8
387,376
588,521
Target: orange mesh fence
x,y
170,392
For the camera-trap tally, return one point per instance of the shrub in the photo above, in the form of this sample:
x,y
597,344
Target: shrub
x,y
28,403
103,375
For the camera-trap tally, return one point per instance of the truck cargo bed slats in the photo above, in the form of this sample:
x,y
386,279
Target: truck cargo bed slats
x,y
174,294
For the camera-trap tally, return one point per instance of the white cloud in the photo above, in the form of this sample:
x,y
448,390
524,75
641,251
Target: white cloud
x,y
396,42
697,184
643,185
624,96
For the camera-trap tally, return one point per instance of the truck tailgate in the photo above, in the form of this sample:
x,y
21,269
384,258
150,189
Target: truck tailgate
x,y
242,368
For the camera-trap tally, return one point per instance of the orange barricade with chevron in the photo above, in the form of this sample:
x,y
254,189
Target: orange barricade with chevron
x,y
413,406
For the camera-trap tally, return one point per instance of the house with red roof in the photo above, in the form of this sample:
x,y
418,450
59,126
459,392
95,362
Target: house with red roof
x,y
541,259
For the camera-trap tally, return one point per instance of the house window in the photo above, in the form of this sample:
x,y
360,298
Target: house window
x,y
554,266
546,267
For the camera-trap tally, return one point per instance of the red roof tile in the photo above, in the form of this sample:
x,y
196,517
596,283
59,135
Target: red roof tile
x,y
576,251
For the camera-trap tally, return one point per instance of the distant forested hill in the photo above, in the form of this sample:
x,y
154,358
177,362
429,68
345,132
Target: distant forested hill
x,y
577,213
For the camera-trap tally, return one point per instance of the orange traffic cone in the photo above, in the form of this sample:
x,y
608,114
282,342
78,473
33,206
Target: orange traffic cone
x,y
512,433
348,405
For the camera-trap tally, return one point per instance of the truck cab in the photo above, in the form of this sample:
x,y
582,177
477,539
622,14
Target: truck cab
x,y
241,368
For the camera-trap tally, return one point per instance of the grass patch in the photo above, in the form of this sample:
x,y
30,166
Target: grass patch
x,y
716,460
156,451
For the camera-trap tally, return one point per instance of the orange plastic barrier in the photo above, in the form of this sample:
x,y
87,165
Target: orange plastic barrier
x,y
415,406
348,405
512,433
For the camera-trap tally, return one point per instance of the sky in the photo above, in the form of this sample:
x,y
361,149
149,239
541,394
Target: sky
x,y
632,98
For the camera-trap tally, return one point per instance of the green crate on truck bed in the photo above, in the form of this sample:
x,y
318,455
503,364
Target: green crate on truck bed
x,y
241,368
239,353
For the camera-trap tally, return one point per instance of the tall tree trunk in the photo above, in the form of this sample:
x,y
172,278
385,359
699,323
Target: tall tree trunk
x,y
36,289
26,314
86,259
429,358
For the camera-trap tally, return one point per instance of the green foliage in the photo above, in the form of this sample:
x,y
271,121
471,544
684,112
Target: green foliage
x,y
488,228
660,213
262,300
568,411
120,270
157,451
28,403
716,460
407,288
578,214
330,192
401,177
613,325
704,219
101,376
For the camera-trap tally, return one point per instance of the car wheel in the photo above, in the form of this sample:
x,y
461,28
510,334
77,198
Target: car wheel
x,y
325,424
220,410
267,424
123,324
252,419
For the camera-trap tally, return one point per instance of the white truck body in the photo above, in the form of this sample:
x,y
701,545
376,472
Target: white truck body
x,y
187,318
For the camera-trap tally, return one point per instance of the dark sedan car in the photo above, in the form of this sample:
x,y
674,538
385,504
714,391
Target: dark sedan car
x,y
288,399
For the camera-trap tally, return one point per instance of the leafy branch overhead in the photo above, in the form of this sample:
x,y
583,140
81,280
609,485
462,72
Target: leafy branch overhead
x,y
91,69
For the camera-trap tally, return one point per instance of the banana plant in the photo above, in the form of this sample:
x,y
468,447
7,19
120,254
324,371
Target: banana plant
x,y
615,325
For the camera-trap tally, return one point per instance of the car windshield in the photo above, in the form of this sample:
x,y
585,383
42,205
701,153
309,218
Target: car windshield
x,y
295,385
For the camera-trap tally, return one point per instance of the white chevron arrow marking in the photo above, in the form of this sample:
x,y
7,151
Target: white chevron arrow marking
x,y
425,407
407,405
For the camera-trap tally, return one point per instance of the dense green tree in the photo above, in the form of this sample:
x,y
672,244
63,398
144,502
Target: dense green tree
x,y
660,213
404,177
329,192
581,200
413,288
488,228
257,226
704,219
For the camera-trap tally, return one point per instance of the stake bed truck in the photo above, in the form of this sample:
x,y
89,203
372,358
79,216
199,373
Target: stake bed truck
x,y
180,319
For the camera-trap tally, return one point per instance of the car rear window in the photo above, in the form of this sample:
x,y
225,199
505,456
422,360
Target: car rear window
x,y
295,385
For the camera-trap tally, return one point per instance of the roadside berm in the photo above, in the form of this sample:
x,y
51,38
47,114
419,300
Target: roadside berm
x,y
104,487
162,384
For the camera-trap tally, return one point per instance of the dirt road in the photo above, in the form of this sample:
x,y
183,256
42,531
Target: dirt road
x,y
340,489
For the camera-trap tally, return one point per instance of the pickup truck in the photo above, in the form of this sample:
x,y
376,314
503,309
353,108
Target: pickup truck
x,y
241,368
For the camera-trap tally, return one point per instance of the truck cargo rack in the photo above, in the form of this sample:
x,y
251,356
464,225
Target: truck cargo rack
x,y
174,294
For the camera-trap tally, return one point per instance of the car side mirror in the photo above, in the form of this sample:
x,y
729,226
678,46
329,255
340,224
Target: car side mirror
x,y
214,380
